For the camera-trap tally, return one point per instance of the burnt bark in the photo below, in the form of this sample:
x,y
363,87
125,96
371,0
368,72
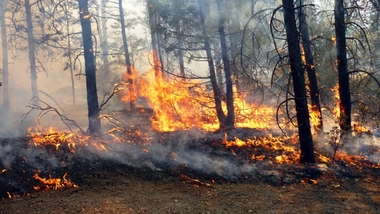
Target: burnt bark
x,y
31,49
92,94
344,82
5,83
230,119
298,76
132,98
214,83
310,66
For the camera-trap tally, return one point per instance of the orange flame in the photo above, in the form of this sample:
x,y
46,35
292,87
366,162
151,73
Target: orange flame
x,y
284,144
358,128
315,117
53,183
336,110
184,105
53,137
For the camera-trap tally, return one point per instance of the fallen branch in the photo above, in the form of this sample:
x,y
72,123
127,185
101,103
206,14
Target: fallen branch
x,y
194,181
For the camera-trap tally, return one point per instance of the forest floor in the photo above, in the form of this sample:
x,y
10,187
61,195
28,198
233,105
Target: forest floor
x,y
124,190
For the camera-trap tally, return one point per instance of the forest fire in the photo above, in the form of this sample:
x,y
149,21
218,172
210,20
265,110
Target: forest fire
x,y
266,95
183,126
182,110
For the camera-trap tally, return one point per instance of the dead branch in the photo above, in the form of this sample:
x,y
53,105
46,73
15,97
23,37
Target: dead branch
x,y
47,109
194,181
52,99
118,87
112,120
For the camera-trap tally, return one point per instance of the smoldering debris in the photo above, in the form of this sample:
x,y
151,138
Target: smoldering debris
x,y
195,153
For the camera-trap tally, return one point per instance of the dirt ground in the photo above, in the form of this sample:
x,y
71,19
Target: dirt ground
x,y
154,192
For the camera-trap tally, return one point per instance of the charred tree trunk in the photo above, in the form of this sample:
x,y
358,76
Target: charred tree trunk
x,y
132,99
344,82
298,76
4,45
214,83
310,67
31,46
230,119
92,94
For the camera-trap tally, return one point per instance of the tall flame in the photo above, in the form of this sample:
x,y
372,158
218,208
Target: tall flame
x,y
183,105
315,117
336,110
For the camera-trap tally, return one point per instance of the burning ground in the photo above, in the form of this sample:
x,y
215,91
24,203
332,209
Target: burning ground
x,y
180,172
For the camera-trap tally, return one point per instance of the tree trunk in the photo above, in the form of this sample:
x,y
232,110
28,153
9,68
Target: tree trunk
x,y
298,76
218,63
214,84
159,46
179,46
310,67
235,39
104,44
157,64
230,119
344,82
4,46
92,94
69,52
132,98
32,55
